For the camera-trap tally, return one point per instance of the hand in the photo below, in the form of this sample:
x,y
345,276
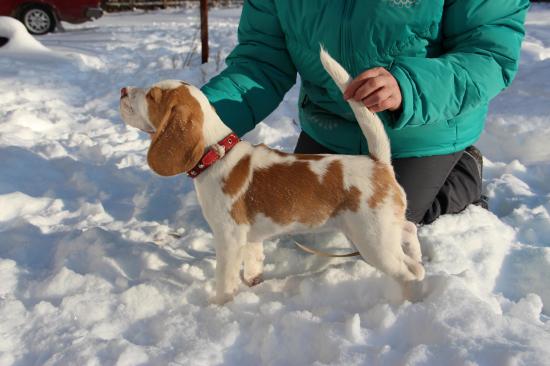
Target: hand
x,y
377,89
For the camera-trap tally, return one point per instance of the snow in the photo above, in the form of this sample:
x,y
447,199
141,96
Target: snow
x,y
104,263
19,39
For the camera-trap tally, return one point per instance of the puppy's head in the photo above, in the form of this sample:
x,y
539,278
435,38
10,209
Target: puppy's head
x,y
171,112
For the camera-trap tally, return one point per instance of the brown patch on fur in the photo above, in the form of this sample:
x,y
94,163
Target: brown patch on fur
x,y
399,201
238,211
233,183
177,144
384,183
292,192
313,157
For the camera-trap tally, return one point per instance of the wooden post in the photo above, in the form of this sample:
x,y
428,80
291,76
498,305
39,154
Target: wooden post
x,y
204,30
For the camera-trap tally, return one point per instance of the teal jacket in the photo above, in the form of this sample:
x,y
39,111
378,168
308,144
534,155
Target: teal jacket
x,y
450,58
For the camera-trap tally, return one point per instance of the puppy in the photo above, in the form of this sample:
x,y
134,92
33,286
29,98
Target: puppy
x,y
250,193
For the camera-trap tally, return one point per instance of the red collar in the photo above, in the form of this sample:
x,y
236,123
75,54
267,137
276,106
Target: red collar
x,y
212,155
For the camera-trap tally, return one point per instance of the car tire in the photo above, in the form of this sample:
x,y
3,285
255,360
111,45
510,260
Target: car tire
x,y
38,19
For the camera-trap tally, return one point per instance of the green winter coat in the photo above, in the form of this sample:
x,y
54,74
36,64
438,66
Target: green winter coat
x,y
450,57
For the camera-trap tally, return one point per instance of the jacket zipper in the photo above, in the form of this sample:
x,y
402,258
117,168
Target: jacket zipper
x,y
346,44
347,47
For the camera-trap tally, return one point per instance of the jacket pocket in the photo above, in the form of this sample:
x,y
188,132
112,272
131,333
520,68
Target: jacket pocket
x,y
304,100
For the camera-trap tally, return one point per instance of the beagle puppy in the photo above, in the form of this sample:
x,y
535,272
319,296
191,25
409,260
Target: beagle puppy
x,y
251,193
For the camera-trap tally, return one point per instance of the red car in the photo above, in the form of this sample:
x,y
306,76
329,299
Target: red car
x,y
42,16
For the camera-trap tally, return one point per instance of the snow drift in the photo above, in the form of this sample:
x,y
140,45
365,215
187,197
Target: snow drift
x,y
19,40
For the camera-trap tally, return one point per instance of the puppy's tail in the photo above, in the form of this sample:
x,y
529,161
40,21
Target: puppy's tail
x,y
372,127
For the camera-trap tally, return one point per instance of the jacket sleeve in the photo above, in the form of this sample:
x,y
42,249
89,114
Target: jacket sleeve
x,y
481,42
259,70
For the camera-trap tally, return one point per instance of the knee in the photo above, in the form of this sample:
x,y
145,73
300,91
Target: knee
x,y
421,215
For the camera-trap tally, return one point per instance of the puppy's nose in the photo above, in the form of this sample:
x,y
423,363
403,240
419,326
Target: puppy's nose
x,y
123,92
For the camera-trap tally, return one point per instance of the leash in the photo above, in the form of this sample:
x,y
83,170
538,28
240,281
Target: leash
x,y
324,254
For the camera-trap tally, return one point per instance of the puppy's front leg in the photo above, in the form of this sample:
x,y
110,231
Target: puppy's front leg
x,y
229,251
253,263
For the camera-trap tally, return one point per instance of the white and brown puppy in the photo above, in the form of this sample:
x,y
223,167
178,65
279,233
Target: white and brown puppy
x,y
253,192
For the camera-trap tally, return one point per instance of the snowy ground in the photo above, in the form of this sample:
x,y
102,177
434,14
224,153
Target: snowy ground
x,y
90,275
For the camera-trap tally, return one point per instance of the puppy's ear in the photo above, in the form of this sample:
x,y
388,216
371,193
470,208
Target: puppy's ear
x,y
156,94
178,144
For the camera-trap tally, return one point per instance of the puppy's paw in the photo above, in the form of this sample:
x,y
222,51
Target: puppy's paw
x,y
221,299
254,281
411,270
413,291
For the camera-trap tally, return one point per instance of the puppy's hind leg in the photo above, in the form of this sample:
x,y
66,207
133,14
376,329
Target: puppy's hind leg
x,y
229,254
380,246
411,244
253,263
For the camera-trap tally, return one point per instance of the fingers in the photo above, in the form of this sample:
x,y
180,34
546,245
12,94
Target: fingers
x,y
377,89
370,86
360,79
391,103
372,98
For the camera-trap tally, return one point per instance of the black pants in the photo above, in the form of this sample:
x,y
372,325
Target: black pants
x,y
435,185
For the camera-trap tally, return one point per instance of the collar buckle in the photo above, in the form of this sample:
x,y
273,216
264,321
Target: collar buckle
x,y
215,153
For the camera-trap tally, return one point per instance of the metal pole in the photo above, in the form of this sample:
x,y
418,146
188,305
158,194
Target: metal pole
x,y
204,30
